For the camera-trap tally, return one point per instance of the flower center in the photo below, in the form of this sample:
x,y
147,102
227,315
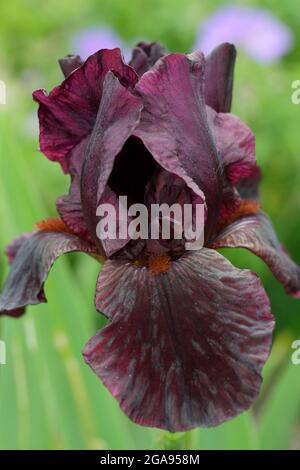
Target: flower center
x,y
159,264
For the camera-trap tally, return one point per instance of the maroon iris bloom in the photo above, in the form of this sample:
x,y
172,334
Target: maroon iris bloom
x,y
187,333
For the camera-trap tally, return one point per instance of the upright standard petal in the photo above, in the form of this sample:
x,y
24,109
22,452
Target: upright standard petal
x,y
68,113
184,348
236,144
145,55
174,126
219,72
257,235
69,63
30,268
118,115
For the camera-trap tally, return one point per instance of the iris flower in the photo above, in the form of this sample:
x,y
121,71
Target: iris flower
x,y
188,333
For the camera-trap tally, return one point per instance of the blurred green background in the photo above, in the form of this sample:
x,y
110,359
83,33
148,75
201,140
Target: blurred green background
x,y
49,399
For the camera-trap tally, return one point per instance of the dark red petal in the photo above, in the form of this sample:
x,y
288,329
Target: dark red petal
x,y
184,348
235,143
219,72
174,125
11,252
69,63
68,113
118,115
166,188
257,235
111,246
14,246
145,55
248,187
70,206
30,268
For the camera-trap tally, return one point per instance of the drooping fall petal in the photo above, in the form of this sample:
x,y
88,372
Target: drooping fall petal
x,y
68,113
31,265
14,246
257,235
174,126
219,72
184,348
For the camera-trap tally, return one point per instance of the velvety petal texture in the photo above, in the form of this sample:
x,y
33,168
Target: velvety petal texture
x,y
30,268
174,126
68,113
184,348
219,72
257,235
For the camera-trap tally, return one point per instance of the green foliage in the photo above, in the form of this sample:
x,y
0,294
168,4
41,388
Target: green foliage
x,y
48,397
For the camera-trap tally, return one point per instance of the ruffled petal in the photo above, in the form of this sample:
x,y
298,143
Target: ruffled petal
x,y
69,63
184,348
219,77
31,265
68,113
145,55
174,126
118,115
257,235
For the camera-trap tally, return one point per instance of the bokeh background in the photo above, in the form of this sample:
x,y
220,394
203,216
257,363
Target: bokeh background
x,y
49,399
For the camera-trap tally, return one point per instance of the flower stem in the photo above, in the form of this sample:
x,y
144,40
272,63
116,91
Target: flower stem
x,y
175,441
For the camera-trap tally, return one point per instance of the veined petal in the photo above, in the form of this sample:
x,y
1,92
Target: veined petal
x,y
174,126
14,246
68,113
257,235
117,117
219,77
31,265
11,252
184,348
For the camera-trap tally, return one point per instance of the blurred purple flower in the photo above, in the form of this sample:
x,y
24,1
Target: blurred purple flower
x,y
87,41
262,36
